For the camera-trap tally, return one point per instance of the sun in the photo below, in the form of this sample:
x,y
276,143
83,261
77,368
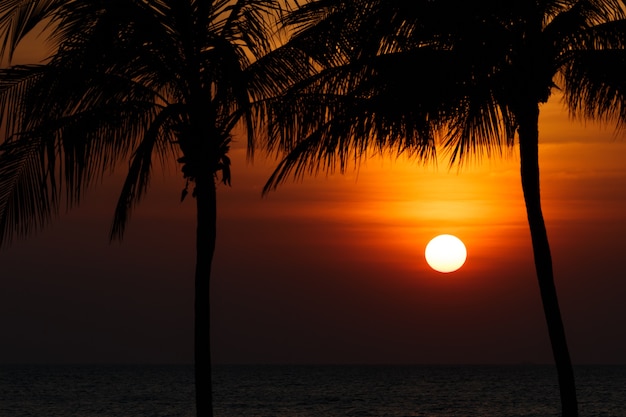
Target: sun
x,y
445,253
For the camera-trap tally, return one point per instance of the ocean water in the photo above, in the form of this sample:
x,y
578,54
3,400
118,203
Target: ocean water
x,y
307,391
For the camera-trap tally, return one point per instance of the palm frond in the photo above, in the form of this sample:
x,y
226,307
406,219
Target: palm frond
x,y
480,127
252,23
595,86
138,177
28,193
19,17
15,84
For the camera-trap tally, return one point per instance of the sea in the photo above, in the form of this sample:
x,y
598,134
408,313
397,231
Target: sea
x,y
307,391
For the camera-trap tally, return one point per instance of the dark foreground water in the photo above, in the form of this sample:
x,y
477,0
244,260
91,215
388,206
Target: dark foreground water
x,y
307,391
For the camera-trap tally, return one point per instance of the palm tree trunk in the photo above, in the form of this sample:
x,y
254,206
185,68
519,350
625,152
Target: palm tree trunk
x,y
206,204
529,157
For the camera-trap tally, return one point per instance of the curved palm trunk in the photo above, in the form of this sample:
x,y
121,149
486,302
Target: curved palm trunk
x,y
206,204
529,156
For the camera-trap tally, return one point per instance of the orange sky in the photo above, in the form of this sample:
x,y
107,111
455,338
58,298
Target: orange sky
x,y
331,269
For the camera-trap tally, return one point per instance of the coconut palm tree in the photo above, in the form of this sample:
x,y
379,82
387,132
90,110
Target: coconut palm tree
x,y
133,80
404,76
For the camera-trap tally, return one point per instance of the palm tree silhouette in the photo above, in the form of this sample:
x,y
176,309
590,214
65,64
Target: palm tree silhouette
x,y
404,76
133,80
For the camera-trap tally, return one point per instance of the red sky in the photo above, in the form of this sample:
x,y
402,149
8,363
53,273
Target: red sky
x,y
331,269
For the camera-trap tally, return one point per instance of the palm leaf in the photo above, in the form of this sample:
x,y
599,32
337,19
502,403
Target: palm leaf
x,y
28,193
18,18
138,177
595,86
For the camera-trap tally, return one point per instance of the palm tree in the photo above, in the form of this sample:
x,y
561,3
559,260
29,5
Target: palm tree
x,y
473,75
133,80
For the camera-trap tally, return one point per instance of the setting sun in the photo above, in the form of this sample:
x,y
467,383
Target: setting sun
x,y
445,253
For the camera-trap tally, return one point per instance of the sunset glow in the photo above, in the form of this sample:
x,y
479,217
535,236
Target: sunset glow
x,y
352,243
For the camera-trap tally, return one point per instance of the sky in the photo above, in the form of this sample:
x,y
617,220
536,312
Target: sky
x,y
331,269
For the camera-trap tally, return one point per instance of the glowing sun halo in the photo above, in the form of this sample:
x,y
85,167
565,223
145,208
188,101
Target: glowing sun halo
x,y
445,253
